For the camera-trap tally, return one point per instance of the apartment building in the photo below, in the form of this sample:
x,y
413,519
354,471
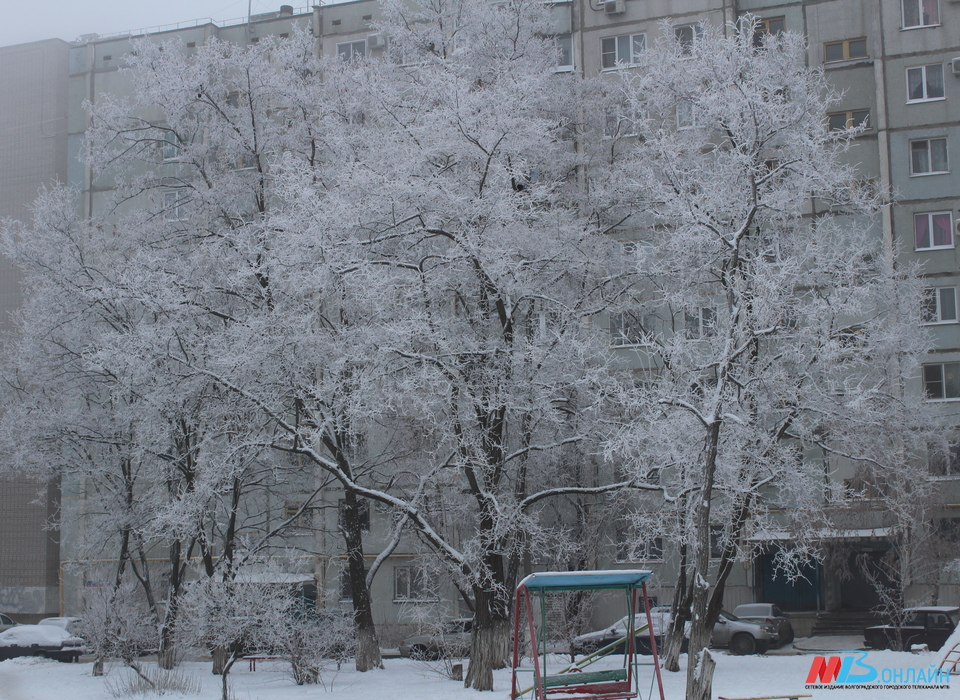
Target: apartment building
x,y
33,137
896,64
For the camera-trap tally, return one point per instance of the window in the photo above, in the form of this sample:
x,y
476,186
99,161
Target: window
x,y
932,230
625,329
564,44
410,584
174,206
925,83
700,323
944,460
352,50
941,381
773,25
717,541
939,305
688,115
171,146
686,36
363,514
621,50
620,123
652,549
844,50
928,156
920,13
304,520
851,119
632,328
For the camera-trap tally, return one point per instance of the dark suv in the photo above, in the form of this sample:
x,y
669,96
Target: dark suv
x,y
930,625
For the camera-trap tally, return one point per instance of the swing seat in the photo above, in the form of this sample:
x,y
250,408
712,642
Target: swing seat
x,y
567,679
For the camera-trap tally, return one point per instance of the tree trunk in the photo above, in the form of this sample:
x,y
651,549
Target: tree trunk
x,y
700,665
681,613
98,666
702,685
490,646
368,646
221,656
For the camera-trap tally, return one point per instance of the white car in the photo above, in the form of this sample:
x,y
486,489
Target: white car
x,y
40,640
73,625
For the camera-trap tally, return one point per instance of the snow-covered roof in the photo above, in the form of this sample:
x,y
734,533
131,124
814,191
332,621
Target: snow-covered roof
x,y
825,534
274,577
585,580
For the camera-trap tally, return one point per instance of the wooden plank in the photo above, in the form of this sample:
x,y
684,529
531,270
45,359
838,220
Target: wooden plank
x,y
565,679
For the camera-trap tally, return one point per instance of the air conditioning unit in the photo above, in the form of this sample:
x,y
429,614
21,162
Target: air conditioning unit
x,y
376,41
614,7
958,227
955,65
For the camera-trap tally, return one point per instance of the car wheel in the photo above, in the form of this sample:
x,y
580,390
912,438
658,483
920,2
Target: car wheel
x,y
787,637
743,644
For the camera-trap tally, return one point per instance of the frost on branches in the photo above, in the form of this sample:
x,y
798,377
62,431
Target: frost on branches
x,y
778,332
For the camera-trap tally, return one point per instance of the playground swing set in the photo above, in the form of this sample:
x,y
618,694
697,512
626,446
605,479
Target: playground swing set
x,y
572,682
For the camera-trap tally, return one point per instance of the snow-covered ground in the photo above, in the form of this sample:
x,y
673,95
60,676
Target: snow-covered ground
x,y
403,679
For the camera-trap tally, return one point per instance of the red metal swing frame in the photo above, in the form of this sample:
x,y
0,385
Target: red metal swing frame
x,y
603,685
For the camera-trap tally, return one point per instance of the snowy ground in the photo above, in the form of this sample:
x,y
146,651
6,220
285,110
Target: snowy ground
x,y
784,671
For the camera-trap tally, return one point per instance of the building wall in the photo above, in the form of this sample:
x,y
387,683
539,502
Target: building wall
x,y
33,80
876,82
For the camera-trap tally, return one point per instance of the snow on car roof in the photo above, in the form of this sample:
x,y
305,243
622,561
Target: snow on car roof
x,y
585,580
27,635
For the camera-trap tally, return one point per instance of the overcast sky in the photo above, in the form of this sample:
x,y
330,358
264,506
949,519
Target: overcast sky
x,y
31,20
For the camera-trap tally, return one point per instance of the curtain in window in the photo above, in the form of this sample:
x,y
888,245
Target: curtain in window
x,y
921,231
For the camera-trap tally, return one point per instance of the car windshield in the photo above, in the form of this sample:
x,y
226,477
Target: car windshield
x,y
729,616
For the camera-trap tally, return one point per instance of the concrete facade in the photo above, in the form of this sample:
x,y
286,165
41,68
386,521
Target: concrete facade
x,y
33,138
874,52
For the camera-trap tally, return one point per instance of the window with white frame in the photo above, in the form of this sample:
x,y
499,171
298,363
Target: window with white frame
x,y
686,35
932,230
352,50
928,156
564,43
171,146
925,83
941,381
174,206
624,50
944,460
844,50
920,13
700,323
688,115
939,305
410,584
625,329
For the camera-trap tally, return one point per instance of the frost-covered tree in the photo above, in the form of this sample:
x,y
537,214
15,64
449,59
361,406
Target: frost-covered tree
x,y
777,333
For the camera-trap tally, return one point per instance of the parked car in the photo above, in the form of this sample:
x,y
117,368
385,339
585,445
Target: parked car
x,y
452,641
6,622
743,637
73,625
40,640
592,641
767,613
930,625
